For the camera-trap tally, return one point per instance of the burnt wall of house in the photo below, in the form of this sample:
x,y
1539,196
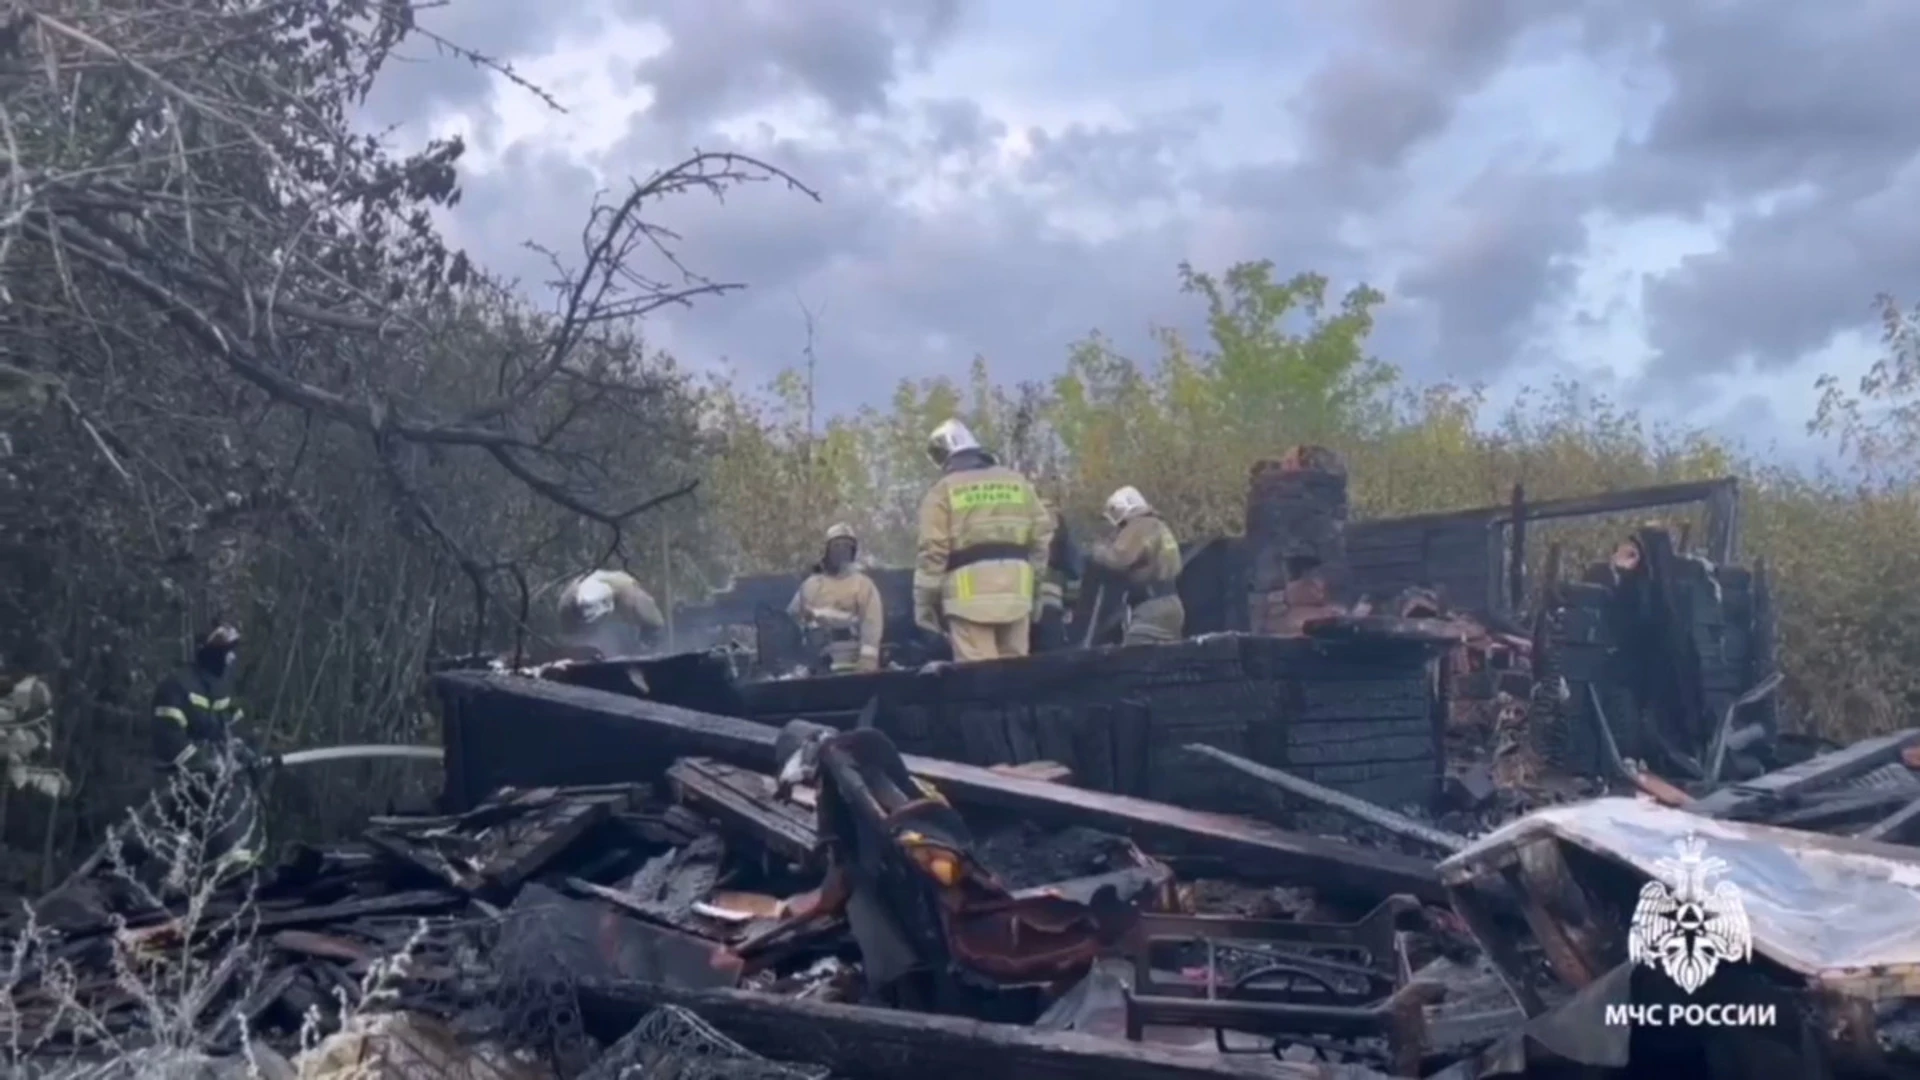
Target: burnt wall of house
x,y
1361,717
1728,611
1457,558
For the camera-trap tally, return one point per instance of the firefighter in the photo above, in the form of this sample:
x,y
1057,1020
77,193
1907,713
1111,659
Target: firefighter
x,y
984,541
1145,554
840,607
607,614
207,765
1058,588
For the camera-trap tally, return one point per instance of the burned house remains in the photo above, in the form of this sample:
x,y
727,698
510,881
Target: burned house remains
x,y
1389,812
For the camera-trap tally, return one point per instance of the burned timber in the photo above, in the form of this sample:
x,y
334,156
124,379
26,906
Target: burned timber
x,y
1378,818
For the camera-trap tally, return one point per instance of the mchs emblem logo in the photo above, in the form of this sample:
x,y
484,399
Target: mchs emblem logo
x,y
1685,928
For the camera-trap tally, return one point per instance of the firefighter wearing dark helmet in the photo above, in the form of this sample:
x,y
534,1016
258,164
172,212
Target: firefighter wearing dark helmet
x,y
984,540
839,606
194,713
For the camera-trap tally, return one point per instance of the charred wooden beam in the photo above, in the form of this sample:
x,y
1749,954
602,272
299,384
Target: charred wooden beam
x,y
1896,827
1784,785
881,1044
743,802
422,902
1359,809
1517,551
588,732
1607,502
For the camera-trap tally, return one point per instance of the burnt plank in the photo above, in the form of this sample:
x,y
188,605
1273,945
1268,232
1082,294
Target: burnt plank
x,y
553,831
1609,502
405,903
1260,851
1053,732
1021,737
1756,796
743,803
862,1043
529,732
1257,849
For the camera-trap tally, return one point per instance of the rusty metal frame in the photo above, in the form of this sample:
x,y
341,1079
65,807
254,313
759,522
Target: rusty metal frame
x,y
1391,1007
1400,1019
1376,936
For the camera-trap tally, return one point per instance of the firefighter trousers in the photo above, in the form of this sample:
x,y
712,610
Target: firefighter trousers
x,y
1155,622
987,641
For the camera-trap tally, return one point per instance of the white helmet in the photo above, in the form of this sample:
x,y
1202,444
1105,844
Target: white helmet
x,y
1125,503
948,439
592,597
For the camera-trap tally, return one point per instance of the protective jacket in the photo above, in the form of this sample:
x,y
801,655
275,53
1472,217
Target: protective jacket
x,y
609,613
984,539
194,744
844,608
193,716
1145,554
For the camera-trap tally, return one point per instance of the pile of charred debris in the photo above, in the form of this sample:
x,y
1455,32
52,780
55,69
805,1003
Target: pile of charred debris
x,y
1624,864
856,913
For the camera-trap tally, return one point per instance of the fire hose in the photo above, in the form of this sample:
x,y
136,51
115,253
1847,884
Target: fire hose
x,y
359,752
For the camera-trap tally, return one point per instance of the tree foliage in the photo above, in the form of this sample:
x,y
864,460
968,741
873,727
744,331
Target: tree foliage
x,y
241,374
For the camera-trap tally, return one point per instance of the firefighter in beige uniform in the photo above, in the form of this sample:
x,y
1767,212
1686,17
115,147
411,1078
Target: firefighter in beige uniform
x,y
842,604
606,614
1145,553
984,541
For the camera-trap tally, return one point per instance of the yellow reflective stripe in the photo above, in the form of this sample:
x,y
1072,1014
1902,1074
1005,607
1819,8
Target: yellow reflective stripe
x,y
963,586
183,756
199,702
239,713
168,712
984,493
222,704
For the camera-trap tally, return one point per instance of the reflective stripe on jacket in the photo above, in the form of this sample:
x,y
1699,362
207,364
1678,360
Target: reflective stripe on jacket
x,y
191,710
984,540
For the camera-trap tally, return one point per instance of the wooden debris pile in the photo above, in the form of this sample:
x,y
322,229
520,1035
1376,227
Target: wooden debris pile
x,y
552,919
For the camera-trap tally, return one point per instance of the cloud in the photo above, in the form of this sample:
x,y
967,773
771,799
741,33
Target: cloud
x,y
1703,196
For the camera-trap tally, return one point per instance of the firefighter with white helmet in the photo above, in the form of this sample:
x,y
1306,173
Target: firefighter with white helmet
x,y
1145,554
839,606
607,614
983,546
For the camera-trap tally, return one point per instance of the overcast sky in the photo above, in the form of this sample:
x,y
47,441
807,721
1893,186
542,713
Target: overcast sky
x,y
1688,203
